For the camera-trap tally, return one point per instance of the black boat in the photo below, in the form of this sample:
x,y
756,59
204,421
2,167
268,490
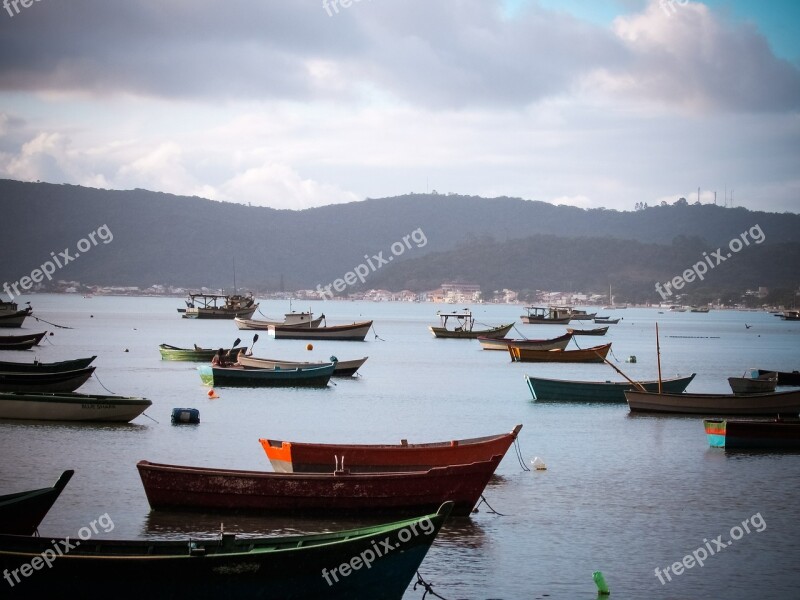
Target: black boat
x,y
784,377
68,381
20,342
40,367
21,513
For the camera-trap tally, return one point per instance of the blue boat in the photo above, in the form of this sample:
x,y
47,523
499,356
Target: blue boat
x,y
237,376
559,390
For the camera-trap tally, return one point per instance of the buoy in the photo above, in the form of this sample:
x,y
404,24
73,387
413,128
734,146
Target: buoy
x,y
600,582
538,464
212,393
185,415
310,347
631,359
126,349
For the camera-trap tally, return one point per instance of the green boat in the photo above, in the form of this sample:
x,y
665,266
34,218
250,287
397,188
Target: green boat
x,y
195,354
375,562
559,390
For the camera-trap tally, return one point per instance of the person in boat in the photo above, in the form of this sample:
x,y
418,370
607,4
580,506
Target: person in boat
x,y
220,360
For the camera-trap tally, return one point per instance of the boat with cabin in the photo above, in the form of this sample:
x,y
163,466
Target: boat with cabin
x,y
551,315
464,327
219,306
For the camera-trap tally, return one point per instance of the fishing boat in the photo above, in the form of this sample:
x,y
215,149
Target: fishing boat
x,y
196,354
175,487
370,562
785,378
293,319
20,342
22,512
770,404
582,315
557,343
595,331
791,315
778,434
355,332
342,368
552,315
71,407
560,390
237,376
298,457
14,318
607,320
699,309
41,367
586,355
465,327
219,306
754,383
64,381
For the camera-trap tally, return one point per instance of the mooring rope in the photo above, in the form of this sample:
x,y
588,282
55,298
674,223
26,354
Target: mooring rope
x,y
428,587
49,323
519,456
377,337
524,337
101,384
483,501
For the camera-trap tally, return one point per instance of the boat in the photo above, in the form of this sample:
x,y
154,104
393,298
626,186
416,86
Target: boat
x,y
754,383
560,390
196,354
552,315
677,308
607,320
770,404
20,342
738,434
585,355
465,327
595,331
342,368
699,309
219,306
14,318
293,319
790,378
71,407
236,376
378,561
557,343
791,315
175,487
582,315
64,381
22,512
298,457
40,367
355,332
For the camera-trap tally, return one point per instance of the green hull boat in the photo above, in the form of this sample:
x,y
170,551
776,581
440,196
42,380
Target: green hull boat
x,y
194,354
559,390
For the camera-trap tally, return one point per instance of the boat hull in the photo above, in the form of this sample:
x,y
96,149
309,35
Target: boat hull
x,y
191,355
219,313
748,385
355,332
261,325
342,368
193,488
529,320
298,457
66,381
21,513
791,378
38,367
557,390
587,355
715,404
241,377
494,332
21,342
753,435
307,567
15,319
558,343
71,407
595,331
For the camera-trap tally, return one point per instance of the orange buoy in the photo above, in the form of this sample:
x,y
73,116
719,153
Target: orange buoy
x,y
310,347
212,393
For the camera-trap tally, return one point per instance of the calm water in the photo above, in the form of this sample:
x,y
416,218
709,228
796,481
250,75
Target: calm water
x,y
621,494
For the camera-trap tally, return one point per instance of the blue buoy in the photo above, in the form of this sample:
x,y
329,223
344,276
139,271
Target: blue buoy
x,y
185,415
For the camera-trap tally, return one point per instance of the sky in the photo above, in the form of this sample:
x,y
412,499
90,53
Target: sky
x,y
292,105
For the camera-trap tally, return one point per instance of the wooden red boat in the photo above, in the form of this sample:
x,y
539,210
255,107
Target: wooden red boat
x,y
298,457
585,355
176,487
21,513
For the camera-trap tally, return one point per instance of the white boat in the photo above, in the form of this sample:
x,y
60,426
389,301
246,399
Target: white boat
x,y
343,368
754,383
302,319
71,407
353,332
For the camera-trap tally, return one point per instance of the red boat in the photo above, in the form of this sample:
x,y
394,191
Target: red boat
x,y
178,487
298,457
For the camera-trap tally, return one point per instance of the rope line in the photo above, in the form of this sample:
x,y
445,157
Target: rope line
x,y
101,384
519,455
428,587
483,501
49,323
377,337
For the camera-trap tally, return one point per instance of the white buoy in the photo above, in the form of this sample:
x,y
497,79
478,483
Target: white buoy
x,y
538,464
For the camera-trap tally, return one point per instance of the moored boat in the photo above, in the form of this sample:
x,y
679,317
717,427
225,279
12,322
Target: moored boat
x,y
71,407
299,457
582,315
785,378
196,354
465,327
559,390
753,383
370,562
557,343
63,381
791,315
40,367
354,332
343,368
293,319
237,376
176,487
552,315
22,512
594,331
219,306
15,318
769,404
607,320
753,435
21,342
586,355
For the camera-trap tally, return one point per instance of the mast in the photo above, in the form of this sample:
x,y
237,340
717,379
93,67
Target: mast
x,y
658,353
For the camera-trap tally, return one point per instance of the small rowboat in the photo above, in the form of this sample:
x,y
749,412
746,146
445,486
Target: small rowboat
x,y
343,368
787,378
558,390
753,435
370,562
595,331
355,332
769,404
195,354
20,342
586,355
14,319
754,384
40,367
71,407
295,319
606,320
236,376
21,513
298,457
558,343
64,381
175,487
